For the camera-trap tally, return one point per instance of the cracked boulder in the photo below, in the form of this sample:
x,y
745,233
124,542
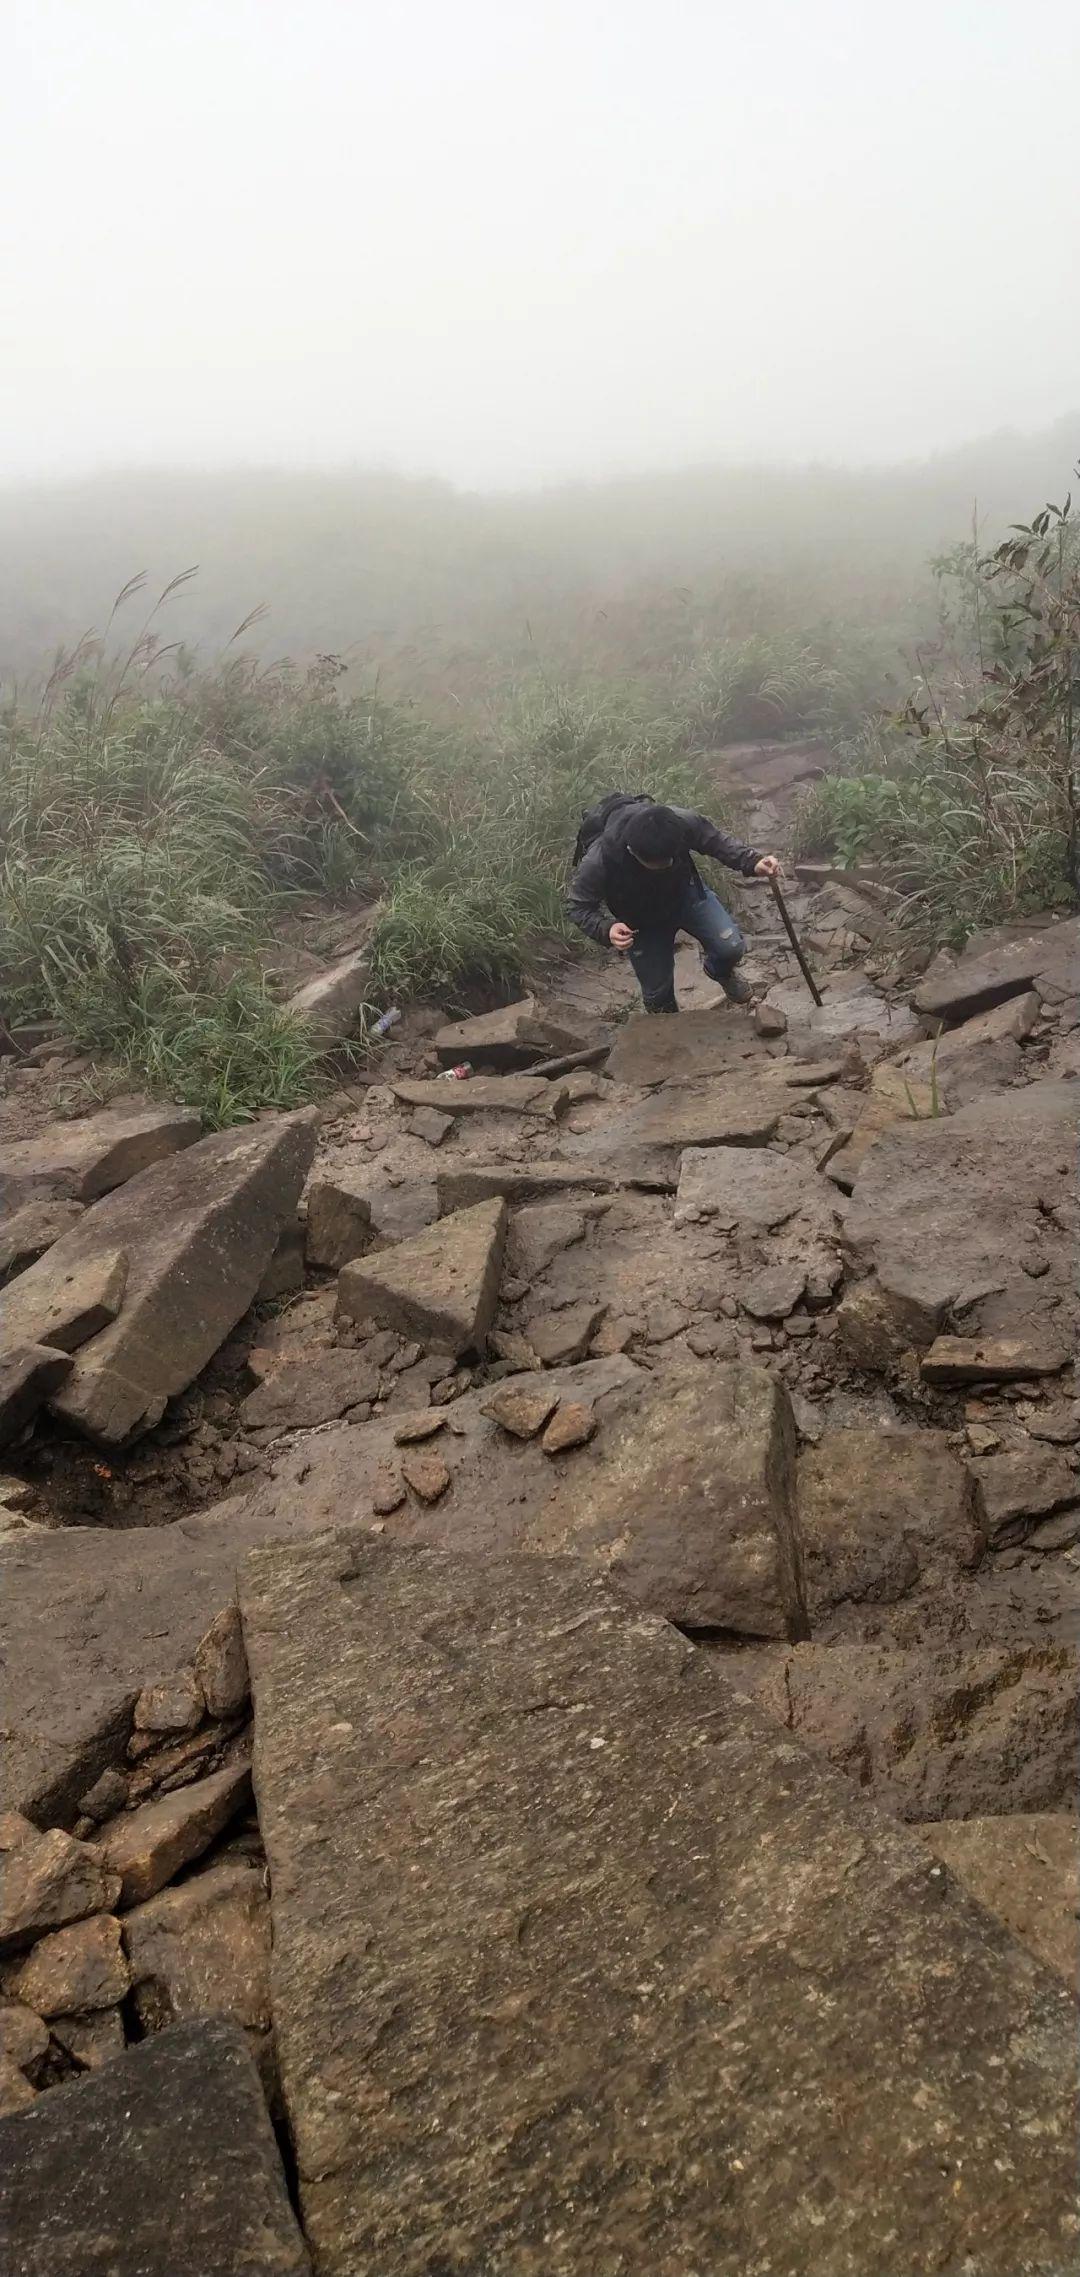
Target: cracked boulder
x,y
198,1231
78,1161
514,1036
884,1516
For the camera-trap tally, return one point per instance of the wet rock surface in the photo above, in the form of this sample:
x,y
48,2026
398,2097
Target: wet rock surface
x,y
547,1867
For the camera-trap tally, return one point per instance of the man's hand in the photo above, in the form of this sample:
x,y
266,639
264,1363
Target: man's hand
x,y
621,937
768,867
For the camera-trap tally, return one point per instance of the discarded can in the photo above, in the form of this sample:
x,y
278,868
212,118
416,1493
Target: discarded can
x,y
456,1074
388,1020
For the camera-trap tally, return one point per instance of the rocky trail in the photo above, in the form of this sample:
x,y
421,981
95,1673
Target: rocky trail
x,y
538,1617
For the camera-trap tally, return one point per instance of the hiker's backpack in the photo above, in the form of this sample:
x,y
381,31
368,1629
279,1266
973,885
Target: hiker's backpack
x,y
596,818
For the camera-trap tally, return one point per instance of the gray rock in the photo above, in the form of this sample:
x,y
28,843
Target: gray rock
x,y
751,1186
773,1294
302,1393
711,1042
78,1161
338,1220
617,1956
284,1274
689,1505
329,1006
66,1306
92,2037
431,1127
164,2160
1019,1486
936,1732
78,1968
442,1287
539,1233
980,979
29,1374
991,1359
488,1094
559,1338
23,2036
199,1231
31,1231
1024,1870
854,1011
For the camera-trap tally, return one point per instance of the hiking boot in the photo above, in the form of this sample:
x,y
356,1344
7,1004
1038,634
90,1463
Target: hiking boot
x,y
737,989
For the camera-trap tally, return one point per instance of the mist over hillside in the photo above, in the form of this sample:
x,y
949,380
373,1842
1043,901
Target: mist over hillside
x,y
447,591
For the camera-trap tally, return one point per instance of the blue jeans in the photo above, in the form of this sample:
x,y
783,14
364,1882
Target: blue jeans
x,y
703,916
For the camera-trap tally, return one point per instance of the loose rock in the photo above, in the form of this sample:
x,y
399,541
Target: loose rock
x,y
572,1425
427,1475
70,1307
31,1231
559,1338
522,1413
48,1880
77,1968
175,1705
1020,1485
418,1427
80,1161
442,1287
300,1394
990,1359
147,1847
221,1669
339,1224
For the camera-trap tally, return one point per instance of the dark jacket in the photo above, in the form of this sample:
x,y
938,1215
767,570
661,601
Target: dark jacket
x,y
609,883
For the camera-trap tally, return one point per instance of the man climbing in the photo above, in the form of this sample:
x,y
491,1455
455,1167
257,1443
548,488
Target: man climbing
x,y
635,887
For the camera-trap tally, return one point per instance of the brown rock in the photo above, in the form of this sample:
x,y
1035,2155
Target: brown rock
x,y
339,1224
776,1292
300,1394
460,1187
1025,1871
23,2037
47,1880
427,1475
31,1231
203,1949
510,1038
937,1732
1059,1425
29,1373
769,1020
199,1230
562,1337
76,1968
883,1514
626,1810
688,1504
221,1669
176,1705
431,1127
572,1425
79,1161
147,1847
522,1413
415,1428
1020,1485
442,1287
284,1274
876,1326
1056,1533
750,1186
990,1359
981,978
15,2089
540,1233
93,2039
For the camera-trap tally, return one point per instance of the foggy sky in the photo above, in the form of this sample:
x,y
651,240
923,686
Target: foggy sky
x,y
510,241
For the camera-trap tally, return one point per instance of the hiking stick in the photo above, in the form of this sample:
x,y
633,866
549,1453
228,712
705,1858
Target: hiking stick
x,y
795,942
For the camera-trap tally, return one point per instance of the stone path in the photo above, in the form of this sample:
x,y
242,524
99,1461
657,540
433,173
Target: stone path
x,y
763,1326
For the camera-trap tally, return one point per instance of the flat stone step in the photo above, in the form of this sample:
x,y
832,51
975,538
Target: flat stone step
x,y
582,1966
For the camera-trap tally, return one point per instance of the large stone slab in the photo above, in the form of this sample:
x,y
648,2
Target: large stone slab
x,y
443,1286
88,1617
330,1004
654,1131
202,1948
66,1306
951,1216
162,2162
79,1161
980,978
854,1011
580,1966
512,1037
33,1229
198,1231
689,1505
940,1732
982,1054
1026,1871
